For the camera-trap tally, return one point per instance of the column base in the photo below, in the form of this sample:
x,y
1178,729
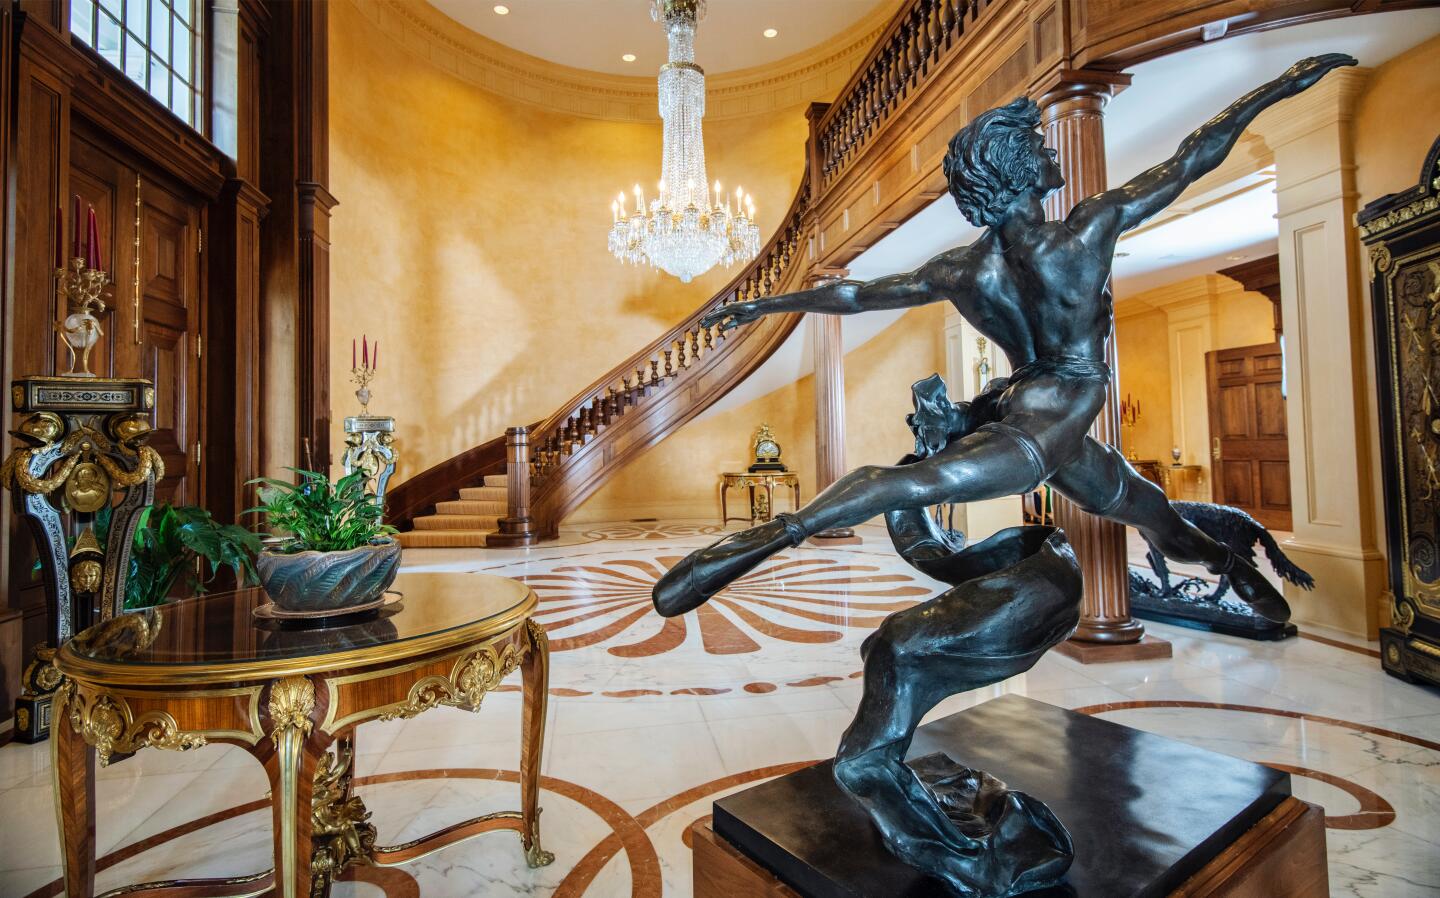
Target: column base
x,y
840,536
1146,649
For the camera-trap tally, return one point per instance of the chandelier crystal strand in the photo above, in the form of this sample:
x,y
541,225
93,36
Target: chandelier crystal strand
x,y
685,230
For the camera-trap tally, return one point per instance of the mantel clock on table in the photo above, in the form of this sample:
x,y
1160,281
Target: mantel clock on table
x,y
765,473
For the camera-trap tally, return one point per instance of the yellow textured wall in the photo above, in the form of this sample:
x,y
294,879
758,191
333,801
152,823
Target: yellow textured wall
x,y
1143,373
680,477
470,239
1244,319
1397,118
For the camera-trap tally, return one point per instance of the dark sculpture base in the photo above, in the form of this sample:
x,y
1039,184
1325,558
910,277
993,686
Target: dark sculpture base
x,y
1202,612
1145,812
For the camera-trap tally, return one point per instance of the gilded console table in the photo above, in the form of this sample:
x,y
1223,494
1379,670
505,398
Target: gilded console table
x,y
205,670
762,504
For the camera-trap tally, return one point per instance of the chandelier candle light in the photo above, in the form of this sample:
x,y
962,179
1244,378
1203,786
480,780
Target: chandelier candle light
x,y
688,228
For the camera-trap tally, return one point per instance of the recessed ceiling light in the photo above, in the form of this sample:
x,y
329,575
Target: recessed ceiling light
x,y
628,57
502,10
770,32
1234,258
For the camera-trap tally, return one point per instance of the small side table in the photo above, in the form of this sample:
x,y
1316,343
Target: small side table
x,y
762,504
1182,482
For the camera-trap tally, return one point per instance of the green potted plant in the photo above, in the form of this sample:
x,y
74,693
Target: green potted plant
x,y
331,551
169,539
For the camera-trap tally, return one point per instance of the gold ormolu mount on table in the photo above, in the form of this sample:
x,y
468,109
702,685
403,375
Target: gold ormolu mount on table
x,y
81,451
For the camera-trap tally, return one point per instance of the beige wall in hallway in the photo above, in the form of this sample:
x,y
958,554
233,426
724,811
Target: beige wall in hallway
x,y
470,239
1162,336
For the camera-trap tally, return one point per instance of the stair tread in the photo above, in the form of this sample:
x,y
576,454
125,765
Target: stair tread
x,y
484,493
439,539
457,522
471,506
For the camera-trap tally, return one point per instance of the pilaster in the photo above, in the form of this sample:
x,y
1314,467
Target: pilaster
x,y
1322,306
826,334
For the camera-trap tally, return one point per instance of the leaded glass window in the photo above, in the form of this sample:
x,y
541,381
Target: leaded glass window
x,y
156,43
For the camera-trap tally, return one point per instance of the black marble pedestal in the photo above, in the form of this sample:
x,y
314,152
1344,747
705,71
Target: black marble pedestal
x,y
1145,812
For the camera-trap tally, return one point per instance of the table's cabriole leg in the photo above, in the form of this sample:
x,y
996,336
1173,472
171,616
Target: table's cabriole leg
x,y
535,674
72,767
291,768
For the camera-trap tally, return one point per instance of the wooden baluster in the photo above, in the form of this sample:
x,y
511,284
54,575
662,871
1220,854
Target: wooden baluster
x,y
668,371
709,338
654,371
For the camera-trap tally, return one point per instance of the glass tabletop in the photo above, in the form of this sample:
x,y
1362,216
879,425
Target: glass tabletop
x,y
221,630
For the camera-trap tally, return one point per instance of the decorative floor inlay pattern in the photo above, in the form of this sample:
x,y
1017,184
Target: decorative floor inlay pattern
x,y
643,735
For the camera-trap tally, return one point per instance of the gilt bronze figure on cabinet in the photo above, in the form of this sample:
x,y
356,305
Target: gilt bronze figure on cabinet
x,y
1040,291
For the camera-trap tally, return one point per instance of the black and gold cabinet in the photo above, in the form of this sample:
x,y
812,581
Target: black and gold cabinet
x,y
1401,233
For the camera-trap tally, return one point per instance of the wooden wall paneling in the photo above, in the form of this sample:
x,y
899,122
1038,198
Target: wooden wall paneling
x,y
38,173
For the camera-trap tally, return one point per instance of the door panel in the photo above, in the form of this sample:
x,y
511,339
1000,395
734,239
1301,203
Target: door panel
x,y
153,321
1237,482
169,323
1247,424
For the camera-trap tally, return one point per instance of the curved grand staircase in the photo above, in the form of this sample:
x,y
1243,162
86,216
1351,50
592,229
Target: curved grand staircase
x,y
871,162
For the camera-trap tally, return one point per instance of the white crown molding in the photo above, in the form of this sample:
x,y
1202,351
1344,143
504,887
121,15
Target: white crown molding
x,y
815,74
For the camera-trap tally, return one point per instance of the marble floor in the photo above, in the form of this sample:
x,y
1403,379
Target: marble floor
x,y
651,720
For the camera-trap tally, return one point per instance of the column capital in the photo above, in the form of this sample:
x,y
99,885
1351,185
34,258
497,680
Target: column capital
x,y
823,275
1087,87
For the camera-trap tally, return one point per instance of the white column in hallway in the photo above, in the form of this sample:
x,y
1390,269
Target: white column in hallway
x,y
1321,280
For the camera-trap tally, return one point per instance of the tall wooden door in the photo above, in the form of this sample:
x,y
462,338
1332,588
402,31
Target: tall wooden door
x,y
151,235
1250,446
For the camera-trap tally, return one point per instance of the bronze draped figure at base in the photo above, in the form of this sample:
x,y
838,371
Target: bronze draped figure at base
x,y
1040,291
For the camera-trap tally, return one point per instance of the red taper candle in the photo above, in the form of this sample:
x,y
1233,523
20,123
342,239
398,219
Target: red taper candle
x,y
364,351
375,359
92,241
75,228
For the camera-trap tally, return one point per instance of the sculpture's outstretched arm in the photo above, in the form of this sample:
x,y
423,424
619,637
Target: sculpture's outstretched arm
x,y
1102,218
897,291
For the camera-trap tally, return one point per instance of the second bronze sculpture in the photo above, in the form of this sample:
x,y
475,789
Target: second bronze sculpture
x,y
1040,290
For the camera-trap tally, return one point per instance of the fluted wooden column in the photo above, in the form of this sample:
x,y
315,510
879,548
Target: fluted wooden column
x,y
1072,117
829,398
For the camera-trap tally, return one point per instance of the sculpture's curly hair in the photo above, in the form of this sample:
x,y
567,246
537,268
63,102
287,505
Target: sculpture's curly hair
x,y
990,161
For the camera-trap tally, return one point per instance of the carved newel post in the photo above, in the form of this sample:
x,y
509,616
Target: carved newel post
x,y
829,398
80,478
1072,117
370,448
517,527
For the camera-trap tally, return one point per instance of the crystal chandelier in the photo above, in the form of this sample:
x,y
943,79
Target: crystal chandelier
x,y
689,227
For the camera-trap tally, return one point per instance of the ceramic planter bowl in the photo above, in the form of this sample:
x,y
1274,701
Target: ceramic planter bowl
x,y
328,581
